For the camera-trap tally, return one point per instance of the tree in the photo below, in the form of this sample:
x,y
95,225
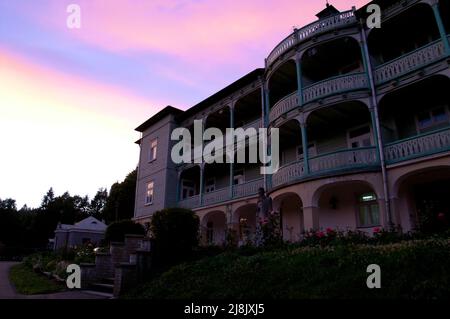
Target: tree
x,y
98,203
117,230
175,234
120,202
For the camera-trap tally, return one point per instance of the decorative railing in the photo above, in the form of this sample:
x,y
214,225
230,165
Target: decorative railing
x,y
417,146
409,62
286,104
313,29
352,158
248,188
216,196
288,173
190,202
338,84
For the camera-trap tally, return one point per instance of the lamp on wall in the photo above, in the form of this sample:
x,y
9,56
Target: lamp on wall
x,y
334,202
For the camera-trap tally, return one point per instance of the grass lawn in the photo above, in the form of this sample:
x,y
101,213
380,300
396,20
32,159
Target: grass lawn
x,y
27,282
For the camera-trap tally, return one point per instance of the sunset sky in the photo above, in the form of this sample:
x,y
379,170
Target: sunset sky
x,y
71,98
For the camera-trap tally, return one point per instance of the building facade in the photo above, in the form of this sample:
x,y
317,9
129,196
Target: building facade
x,y
364,124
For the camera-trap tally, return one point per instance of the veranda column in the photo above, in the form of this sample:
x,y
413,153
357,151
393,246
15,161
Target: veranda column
x,y
305,147
299,79
266,99
231,159
375,121
311,218
441,27
202,182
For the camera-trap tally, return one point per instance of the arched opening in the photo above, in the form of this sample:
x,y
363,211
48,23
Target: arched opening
x,y
290,207
248,110
214,227
291,154
244,219
408,31
348,205
348,140
333,58
420,111
219,119
189,183
424,200
283,82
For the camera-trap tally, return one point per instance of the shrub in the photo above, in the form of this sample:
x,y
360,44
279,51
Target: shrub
x,y
175,234
117,231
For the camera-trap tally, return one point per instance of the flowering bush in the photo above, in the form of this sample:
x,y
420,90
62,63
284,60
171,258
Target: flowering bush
x,y
268,231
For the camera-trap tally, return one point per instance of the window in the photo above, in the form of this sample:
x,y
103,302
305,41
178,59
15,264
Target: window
x,y
153,150
368,211
149,194
188,189
360,137
428,119
238,177
210,185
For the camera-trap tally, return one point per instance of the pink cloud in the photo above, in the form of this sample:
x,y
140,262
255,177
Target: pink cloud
x,y
200,32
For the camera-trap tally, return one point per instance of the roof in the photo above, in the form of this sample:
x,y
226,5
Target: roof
x,y
87,224
158,117
243,81
180,115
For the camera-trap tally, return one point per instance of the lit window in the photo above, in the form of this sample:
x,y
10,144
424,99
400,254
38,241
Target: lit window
x,y
368,211
149,194
153,150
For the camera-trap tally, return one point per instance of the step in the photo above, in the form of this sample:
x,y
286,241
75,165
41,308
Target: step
x,y
102,287
98,293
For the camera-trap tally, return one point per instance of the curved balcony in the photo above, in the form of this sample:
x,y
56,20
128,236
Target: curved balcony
x,y
418,146
190,202
283,106
216,196
288,173
410,62
335,85
309,31
248,188
345,159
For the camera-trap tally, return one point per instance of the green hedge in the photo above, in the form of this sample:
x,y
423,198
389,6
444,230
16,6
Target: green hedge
x,y
409,269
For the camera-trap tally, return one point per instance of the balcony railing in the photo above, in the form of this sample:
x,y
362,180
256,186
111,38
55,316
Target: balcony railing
x,y
248,188
417,146
409,62
217,196
190,202
313,29
288,173
335,85
283,106
352,158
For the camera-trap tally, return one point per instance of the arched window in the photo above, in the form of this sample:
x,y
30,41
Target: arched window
x,y
368,210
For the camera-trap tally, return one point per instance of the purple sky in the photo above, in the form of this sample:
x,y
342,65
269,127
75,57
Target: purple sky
x,y
71,98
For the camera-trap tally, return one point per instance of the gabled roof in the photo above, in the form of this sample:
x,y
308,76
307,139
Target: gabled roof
x,y
87,224
158,117
180,115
